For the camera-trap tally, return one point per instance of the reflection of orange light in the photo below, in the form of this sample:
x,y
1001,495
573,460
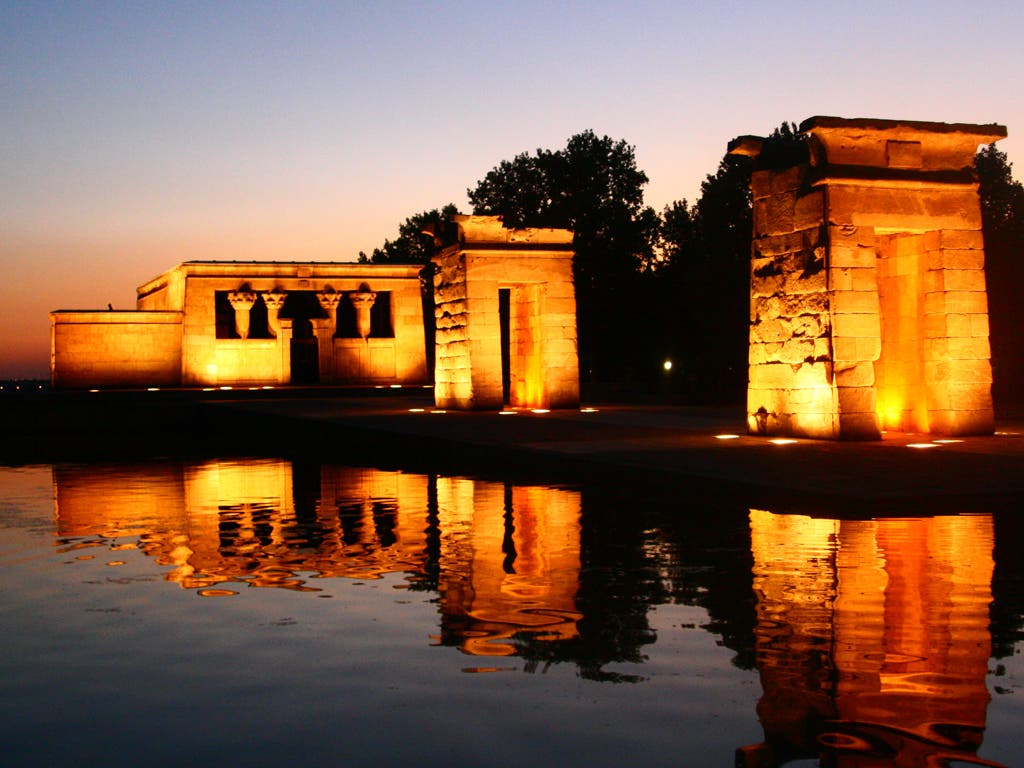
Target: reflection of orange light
x,y
588,410
896,612
219,523
726,437
922,445
781,440
539,410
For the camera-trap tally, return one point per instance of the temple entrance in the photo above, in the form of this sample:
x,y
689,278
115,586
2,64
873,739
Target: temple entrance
x,y
522,365
504,299
301,307
902,397
305,354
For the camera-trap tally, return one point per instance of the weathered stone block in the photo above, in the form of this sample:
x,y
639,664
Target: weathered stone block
x,y
954,239
859,426
809,210
861,374
779,210
856,399
856,325
852,256
964,279
968,348
854,302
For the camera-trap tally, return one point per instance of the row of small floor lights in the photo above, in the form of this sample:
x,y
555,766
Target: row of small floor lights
x,y
773,441
501,413
789,440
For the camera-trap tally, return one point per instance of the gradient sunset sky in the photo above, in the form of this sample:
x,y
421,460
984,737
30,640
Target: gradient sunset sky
x,y
137,135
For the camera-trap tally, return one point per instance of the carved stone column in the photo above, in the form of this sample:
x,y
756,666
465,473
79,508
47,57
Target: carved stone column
x,y
363,302
241,302
274,301
329,303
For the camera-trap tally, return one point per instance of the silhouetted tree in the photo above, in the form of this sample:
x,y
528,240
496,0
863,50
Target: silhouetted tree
x,y
706,254
418,238
593,187
1002,216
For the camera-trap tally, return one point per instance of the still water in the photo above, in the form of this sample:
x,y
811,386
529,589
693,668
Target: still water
x,y
263,612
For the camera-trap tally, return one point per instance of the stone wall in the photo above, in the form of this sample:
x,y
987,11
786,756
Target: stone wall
x,y
791,364
115,349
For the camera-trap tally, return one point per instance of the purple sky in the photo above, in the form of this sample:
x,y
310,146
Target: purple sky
x,y
137,135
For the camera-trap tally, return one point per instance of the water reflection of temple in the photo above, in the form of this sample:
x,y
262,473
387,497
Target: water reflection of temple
x,y
504,559
872,639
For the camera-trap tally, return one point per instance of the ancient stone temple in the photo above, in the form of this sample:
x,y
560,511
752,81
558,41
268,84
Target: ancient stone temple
x,y
868,308
211,323
505,308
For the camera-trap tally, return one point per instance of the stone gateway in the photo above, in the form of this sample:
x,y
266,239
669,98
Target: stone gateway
x,y
868,308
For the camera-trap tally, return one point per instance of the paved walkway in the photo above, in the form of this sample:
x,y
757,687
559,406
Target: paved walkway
x,y
676,443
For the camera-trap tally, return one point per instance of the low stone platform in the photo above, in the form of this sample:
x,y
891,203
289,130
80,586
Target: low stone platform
x,y
903,472
682,447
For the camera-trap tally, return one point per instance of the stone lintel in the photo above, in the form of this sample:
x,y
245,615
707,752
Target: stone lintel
x,y
897,144
491,230
986,132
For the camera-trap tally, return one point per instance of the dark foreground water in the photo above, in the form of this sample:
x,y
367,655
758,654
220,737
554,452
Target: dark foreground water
x,y
270,613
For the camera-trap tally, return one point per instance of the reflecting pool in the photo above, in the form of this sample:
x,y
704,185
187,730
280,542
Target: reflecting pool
x,y
265,612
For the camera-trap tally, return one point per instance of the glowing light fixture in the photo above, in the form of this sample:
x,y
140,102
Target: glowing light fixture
x,y
667,365
416,410
225,387
439,411
922,445
588,410
782,441
266,386
947,441
208,389
727,437
153,389
94,390
396,386
506,413
539,410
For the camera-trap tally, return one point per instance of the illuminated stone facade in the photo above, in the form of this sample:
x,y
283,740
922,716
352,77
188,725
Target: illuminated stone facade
x,y
868,305
256,323
505,308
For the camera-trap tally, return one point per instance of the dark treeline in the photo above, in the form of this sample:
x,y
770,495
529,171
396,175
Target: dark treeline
x,y
674,285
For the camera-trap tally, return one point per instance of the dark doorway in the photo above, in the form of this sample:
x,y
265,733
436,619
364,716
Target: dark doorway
x,y
305,354
504,321
300,307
